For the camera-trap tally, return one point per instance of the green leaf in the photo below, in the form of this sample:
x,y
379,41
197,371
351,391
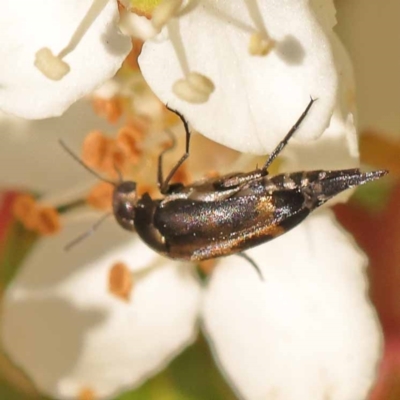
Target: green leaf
x,y
374,195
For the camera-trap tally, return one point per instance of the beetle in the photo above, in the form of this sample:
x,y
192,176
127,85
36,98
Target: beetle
x,y
229,214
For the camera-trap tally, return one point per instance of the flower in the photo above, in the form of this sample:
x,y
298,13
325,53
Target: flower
x,y
256,98
110,314
89,49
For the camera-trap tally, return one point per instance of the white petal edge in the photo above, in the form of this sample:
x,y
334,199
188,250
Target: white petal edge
x,y
63,328
24,90
257,99
337,148
308,331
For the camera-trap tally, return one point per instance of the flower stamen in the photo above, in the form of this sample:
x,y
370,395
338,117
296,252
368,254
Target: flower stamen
x,y
120,281
100,196
101,153
195,88
44,220
52,66
128,140
260,44
111,109
48,221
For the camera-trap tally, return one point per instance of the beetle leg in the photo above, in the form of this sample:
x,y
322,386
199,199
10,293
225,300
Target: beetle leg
x,y
286,139
252,262
163,185
160,179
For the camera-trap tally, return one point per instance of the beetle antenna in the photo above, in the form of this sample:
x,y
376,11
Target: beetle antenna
x,y
86,234
288,136
78,160
253,264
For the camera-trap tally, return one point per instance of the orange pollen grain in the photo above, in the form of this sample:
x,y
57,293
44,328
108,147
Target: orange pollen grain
x,y
103,154
100,196
120,281
86,394
48,221
129,139
110,109
94,149
115,161
25,210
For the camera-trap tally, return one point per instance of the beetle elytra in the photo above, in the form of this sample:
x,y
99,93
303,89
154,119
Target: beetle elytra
x,y
229,214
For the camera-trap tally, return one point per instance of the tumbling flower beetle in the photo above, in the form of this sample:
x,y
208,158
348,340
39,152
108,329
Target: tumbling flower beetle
x,y
227,215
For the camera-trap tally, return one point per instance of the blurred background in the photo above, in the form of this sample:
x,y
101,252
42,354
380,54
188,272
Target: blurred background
x,y
370,30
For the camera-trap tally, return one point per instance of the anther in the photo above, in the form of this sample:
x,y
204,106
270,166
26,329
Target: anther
x,y
120,281
35,217
48,221
51,66
196,88
260,44
94,149
128,140
103,153
100,196
24,210
110,109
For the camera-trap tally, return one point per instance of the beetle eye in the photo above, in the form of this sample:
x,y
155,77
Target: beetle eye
x,y
127,187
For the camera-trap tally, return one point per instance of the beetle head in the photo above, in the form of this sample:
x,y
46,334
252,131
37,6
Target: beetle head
x,y
124,202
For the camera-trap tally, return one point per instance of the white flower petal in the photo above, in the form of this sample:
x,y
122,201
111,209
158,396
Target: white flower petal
x,y
68,333
308,331
33,146
257,99
24,90
337,148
